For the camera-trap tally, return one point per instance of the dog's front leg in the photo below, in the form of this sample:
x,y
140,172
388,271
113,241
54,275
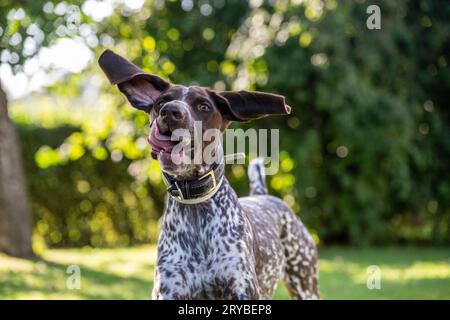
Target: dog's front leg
x,y
237,279
243,287
172,284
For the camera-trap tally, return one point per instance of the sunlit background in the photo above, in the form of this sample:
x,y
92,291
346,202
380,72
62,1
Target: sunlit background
x,y
364,154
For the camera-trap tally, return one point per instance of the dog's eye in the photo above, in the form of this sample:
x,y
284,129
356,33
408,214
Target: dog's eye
x,y
203,107
160,103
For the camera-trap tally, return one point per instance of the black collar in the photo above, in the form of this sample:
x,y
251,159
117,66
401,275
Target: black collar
x,y
196,190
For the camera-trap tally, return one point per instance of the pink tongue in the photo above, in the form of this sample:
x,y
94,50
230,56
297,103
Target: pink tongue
x,y
158,141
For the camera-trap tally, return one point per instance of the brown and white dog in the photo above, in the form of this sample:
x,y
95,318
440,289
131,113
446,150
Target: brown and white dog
x,y
214,245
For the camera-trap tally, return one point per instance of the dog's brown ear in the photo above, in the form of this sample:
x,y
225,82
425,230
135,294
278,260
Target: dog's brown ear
x,y
246,105
140,88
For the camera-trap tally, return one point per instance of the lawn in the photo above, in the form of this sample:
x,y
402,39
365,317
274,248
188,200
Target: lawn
x,y
126,273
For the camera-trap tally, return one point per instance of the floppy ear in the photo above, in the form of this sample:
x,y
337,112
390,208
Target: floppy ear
x,y
246,105
140,88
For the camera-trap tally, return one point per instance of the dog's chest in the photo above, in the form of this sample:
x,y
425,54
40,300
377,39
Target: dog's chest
x,y
201,246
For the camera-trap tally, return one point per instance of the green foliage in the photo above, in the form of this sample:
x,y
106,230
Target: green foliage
x,y
372,108
364,154
89,201
26,26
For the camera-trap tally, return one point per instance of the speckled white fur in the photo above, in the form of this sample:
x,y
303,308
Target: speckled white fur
x,y
230,248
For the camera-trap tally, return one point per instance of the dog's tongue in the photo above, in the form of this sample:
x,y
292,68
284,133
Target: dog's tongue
x,y
159,141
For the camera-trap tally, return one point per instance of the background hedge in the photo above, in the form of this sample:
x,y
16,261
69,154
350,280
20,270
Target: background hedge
x,y
365,152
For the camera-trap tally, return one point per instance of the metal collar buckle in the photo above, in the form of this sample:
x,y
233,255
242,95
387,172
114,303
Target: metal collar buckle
x,y
180,196
213,177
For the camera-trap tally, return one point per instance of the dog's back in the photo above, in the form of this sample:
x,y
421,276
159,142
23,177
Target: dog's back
x,y
279,236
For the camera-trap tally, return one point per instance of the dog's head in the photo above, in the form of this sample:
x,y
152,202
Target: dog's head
x,y
175,108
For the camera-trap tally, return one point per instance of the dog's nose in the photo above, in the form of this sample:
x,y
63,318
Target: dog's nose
x,y
172,112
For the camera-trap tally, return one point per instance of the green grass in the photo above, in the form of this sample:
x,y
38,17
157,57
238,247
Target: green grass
x,y
127,273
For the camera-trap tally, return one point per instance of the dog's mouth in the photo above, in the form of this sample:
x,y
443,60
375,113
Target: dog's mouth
x,y
160,142
180,161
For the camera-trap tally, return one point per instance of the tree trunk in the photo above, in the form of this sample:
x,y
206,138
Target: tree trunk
x,y
15,218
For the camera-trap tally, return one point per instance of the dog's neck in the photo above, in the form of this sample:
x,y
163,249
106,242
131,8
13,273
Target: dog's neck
x,y
198,189
224,203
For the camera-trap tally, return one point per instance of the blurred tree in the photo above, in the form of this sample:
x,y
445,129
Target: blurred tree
x,y
23,30
15,220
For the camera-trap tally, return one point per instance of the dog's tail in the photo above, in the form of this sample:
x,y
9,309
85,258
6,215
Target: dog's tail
x,y
257,177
